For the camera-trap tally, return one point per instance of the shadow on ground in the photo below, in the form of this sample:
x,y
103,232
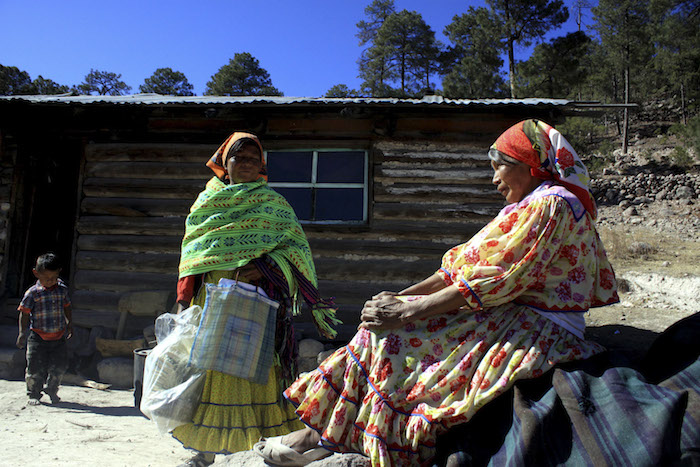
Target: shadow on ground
x,y
632,342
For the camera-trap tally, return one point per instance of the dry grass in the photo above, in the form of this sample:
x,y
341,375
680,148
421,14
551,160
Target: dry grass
x,y
646,250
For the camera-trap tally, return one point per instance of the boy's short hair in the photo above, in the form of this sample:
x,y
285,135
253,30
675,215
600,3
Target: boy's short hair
x,y
48,261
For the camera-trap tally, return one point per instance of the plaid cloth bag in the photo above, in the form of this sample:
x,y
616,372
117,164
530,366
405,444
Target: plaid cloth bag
x,y
236,335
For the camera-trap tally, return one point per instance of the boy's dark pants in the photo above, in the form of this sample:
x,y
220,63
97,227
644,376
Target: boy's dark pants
x,y
47,362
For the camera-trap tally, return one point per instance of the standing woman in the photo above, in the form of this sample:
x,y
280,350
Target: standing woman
x,y
239,228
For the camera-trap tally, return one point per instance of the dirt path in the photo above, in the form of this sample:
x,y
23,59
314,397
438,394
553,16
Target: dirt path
x,y
88,427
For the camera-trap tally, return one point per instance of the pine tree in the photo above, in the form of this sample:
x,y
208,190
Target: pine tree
x,y
103,83
471,67
523,21
242,76
167,82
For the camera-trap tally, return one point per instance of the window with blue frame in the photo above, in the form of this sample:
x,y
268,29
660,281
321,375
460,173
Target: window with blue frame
x,y
327,186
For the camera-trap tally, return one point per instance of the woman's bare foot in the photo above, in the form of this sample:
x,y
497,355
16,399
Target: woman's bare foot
x,y
302,440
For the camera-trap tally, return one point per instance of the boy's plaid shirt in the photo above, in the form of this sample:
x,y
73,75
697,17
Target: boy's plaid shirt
x,y
45,308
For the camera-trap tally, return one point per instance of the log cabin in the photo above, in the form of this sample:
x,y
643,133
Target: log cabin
x,y
383,187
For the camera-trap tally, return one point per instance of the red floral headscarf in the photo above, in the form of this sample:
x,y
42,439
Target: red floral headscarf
x,y
550,157
217,162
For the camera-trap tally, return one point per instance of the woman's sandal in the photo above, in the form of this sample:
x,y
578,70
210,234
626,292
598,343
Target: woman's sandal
x,y
276,453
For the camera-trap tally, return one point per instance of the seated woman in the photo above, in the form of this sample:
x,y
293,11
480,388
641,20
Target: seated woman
x,y
239,228
507,305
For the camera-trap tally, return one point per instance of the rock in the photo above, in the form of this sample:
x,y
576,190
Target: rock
x,y
666,264
629,212
643,200
323,355
611,195
12,363
661,195
251,459
310,348
307,364
117,371
623,285
641,249
684,192
625,204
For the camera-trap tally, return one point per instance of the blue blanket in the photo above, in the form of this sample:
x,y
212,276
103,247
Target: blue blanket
x,y
594,412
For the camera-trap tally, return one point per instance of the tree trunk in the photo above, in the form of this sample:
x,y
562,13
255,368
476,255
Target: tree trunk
x,y
625,123
615,99
683,114
511,68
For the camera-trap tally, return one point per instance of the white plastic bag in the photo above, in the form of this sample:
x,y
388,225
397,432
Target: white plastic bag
x,y
172,388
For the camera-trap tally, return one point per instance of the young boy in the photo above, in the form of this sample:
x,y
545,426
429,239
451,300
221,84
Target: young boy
x,y
46,311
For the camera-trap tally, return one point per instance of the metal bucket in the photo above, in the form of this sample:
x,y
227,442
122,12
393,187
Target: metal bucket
x,y
139,363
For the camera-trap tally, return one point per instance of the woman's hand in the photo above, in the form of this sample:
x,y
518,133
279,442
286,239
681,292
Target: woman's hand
x,y
384,311
384,293
181,306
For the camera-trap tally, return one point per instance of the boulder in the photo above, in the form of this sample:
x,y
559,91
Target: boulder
x,y
12,363
324,355
309,348
117,371
684,192
629,212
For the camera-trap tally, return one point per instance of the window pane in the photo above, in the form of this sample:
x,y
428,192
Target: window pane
x,y
300,199
339,204
289,166
341,167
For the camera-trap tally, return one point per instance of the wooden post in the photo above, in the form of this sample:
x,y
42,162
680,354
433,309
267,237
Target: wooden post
x,y
625,123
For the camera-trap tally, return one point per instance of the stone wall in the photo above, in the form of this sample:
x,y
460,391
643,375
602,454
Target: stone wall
x,y
645,188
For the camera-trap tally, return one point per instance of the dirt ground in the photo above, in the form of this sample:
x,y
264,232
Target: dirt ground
x,y
660,284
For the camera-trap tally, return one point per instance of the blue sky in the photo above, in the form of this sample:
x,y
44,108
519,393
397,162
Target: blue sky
x,y
307,46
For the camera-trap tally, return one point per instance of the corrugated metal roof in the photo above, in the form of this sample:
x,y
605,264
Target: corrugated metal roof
x,y
157,99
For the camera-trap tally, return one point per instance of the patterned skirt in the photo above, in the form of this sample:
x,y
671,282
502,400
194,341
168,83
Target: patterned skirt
x,y
389,394
234,413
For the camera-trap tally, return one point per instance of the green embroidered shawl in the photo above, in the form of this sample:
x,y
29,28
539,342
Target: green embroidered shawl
x,y
229,225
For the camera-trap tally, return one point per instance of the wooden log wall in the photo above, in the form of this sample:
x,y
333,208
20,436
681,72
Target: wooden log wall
x,y
6,185
425,198
131,222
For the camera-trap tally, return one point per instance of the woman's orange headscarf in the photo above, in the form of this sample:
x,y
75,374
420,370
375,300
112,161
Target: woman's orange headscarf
x,y
550,157
217,162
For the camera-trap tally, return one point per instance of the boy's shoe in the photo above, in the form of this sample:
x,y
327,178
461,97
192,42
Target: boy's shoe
x,y
200,459
33,401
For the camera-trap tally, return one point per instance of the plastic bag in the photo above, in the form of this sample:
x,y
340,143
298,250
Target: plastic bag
x,y
165,324
172,388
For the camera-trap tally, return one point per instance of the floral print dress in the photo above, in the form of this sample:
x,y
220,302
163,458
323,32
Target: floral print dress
x,y
389,394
